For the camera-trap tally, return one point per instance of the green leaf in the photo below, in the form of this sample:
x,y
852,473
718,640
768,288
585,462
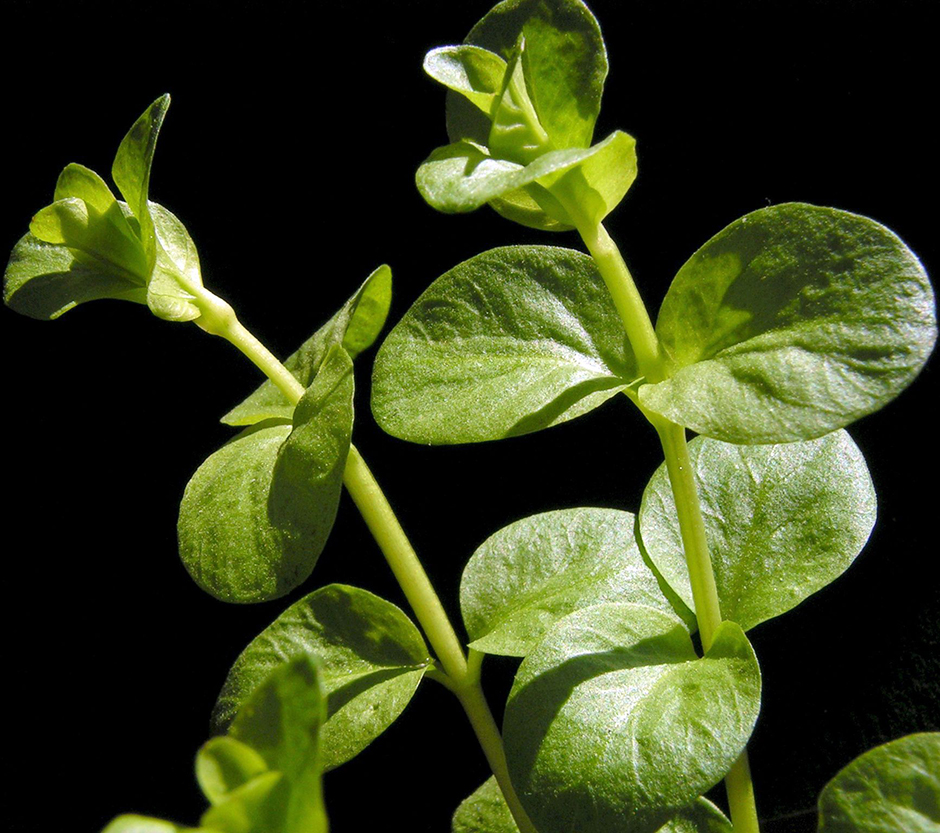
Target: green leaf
x,y
256,515
176,272
792,322
484,811
782,521
356,326
511,341
44,281
259,806
564,63
477,74
614,722
224,764
536,571
143,824
700,817
894,788
373,659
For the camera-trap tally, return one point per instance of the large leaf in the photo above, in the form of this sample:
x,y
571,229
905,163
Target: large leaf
x,y
355,326
792,322
614,722
511,341
532,573
256,515
782,521
894,788
373,659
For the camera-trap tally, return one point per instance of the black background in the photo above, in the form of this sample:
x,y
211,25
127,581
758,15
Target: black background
x,y
289,152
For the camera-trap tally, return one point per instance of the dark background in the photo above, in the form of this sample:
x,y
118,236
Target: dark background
x,y
289,152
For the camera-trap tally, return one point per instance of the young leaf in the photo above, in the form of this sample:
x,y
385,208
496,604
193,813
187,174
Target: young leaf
x,y
614,722
511,341
176,272
142,824
355,326
224,764
536,571
256,515
477,74
259,806
792,322
893,788
373,659
782,521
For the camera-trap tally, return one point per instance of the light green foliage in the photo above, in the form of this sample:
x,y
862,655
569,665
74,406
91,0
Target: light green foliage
x,y
142,824
355,326
225,764
792,322
614,722
257,513
782,521
373,659
532,573
893,788
511,341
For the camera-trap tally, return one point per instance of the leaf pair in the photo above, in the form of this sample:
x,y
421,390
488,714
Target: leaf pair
x,y
88,245
264,776
525,91
792,322
257,513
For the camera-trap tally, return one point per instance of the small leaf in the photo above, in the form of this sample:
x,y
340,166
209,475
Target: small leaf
x,y
893,788
782,521
373,659
484,811
512,341
225,764
143,824
356,326
536,571
256,515
792,322
259,806
614,722
477,74
176,272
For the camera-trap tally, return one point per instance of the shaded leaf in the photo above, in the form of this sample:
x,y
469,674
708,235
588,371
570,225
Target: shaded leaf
x,y
792,322
484,811
614,722
781,521
259,806
532,573
509,342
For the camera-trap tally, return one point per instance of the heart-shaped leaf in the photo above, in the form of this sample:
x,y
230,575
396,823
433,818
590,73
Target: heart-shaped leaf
x,y
614,722
532,573
373,659
792,322
781,521
509,342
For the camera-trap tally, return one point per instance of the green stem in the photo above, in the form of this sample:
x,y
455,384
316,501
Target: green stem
x,y
462,678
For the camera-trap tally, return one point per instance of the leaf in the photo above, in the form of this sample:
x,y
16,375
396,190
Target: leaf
x,y
614,722
781,521
44,281
176,273
484,811
356,326
477,74
532,573
509,342
373,659
225,764
143,824
893,788
256,515
259,806
792,322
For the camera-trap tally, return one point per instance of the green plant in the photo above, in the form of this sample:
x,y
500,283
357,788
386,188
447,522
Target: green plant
x,y
553,316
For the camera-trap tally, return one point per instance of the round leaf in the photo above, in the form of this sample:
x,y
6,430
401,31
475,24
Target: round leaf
x,y
373,658
511,341
894,788
536,571
792,322
782,521
614,722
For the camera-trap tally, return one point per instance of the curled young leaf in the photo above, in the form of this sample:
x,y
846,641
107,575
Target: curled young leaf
x,y
781,521
373,658
615,723
792,322
477,74
224,764
511,341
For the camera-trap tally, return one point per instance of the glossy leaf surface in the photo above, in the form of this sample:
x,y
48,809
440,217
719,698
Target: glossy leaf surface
x,y
355,326
373,659
475,73
176,270
615,723
893,788
509,342
792,322
532,573
782,521
256,515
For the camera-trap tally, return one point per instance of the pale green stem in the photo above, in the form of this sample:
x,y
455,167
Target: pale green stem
x,y
463,679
